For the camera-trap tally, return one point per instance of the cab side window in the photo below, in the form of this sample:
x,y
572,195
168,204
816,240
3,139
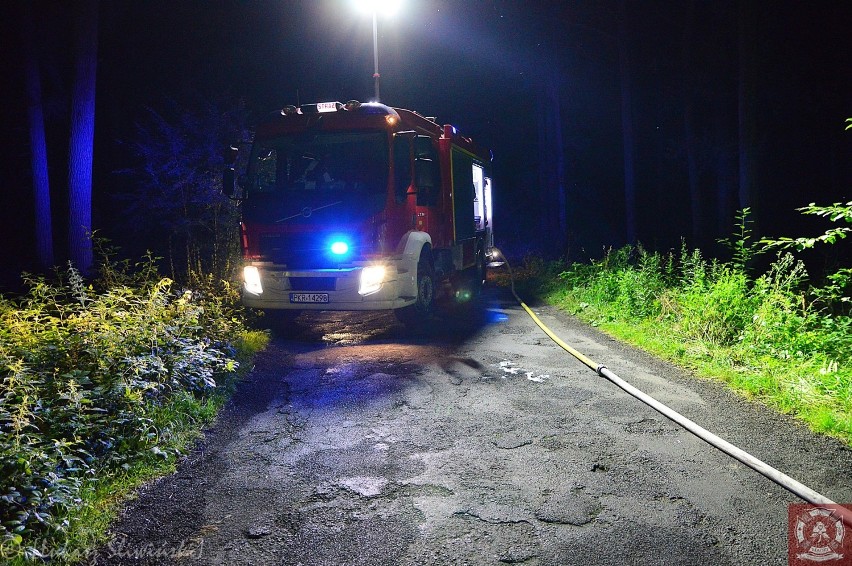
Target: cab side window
x,y
401,168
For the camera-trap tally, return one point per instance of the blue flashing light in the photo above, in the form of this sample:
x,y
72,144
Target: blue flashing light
x,y
339,247
374,108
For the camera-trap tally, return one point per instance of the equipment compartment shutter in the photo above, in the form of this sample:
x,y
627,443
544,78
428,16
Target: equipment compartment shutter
x,y
463,195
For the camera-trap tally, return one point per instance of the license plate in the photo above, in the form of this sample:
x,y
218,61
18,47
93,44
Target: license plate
x,y
308,297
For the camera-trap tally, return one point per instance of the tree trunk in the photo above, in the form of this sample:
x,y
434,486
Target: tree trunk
x,y
552,168
696,209
726,177
627,128
745,108
82,134
38,146
559,154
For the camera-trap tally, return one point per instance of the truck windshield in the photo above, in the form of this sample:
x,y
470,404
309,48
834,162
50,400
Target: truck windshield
x,y
350,162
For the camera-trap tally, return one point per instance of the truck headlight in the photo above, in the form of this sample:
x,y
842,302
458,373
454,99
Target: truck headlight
x,y
371,279
251,279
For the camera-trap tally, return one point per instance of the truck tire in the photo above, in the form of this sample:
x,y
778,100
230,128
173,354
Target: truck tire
x,y
468,286
424,307
479,272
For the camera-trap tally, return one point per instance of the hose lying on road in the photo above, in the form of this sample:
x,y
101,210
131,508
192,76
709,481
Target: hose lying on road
x,y
759,466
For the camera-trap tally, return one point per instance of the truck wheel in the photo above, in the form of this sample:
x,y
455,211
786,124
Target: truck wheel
x,y
423,308
470,281
479,272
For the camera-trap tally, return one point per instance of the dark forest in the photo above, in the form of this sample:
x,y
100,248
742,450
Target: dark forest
x,y
610,122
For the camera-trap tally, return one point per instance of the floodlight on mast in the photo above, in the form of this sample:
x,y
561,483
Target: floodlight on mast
x,y
374,7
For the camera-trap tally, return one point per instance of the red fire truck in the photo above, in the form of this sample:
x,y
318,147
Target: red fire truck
x,y
360,206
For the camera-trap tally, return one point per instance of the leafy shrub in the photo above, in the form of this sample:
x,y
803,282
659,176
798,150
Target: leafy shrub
x,y
625,283
780,321
717,306
83,369
837,213
776,335
177,186
526,273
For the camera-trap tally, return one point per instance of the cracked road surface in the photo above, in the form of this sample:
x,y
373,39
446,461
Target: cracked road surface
x,y
472,442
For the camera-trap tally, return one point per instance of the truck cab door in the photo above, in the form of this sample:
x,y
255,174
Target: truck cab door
x,y
427,182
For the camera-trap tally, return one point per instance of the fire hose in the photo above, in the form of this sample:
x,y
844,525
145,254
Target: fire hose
x,y
782,479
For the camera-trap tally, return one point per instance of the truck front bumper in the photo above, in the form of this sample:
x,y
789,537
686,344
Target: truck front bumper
x,y
326,289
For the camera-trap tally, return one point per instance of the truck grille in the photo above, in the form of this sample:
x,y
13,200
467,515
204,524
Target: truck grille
x,y
308,250
295,251
312,283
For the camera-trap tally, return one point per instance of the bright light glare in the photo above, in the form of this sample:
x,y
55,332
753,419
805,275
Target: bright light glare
x,y
251,277
383,7
371,279
339,248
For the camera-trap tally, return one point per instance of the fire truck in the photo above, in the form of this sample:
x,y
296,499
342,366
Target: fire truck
x,y
361,206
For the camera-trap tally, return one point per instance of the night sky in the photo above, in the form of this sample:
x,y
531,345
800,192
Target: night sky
x,y
496,69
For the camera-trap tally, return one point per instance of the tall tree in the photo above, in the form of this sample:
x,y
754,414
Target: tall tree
x,y
83,133
690,142
745,106
726,173
38,144
552,166
628,136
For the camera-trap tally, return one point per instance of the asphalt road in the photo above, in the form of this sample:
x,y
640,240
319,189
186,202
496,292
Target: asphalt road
x,y
473,441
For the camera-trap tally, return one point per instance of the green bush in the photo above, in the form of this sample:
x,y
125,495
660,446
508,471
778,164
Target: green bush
x,y
775,335
625,283
84,370
716,307
781,322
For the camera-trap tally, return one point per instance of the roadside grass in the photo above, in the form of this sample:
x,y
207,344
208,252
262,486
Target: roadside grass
x,y
105,385
772,337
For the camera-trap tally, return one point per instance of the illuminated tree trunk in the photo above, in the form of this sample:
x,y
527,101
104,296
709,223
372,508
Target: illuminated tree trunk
x,y
627,128
38,146
82,134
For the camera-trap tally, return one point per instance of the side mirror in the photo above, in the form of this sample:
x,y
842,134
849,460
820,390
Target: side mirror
x,y
423,147
405,134
230,154
424,172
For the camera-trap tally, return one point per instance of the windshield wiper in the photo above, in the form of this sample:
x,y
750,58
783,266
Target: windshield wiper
x,y
307,211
